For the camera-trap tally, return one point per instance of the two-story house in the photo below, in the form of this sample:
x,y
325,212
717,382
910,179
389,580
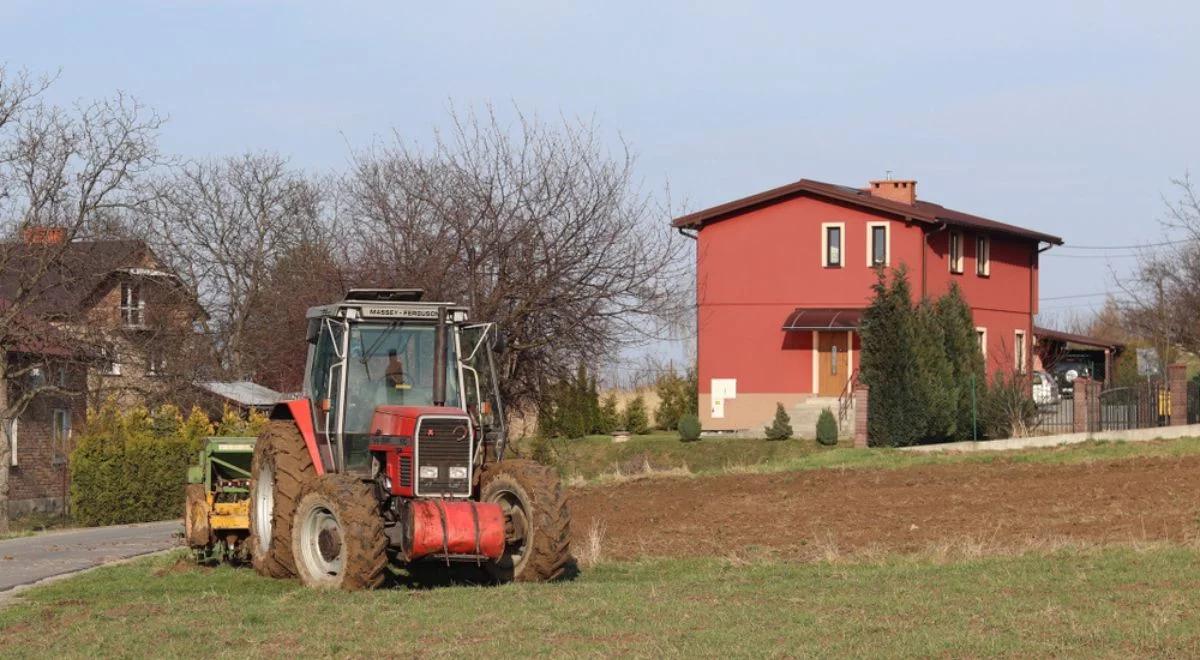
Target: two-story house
x,y
782,279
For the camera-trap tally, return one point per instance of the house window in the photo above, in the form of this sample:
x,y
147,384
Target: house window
x,y
983,256
832,244
878,244
61,429
133,306
956,252
156,363
110,364
981,335
1019,350
13,426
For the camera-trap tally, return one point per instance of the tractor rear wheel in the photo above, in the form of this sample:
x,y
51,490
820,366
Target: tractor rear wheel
x,y
195,517
338,538
280,468
537,522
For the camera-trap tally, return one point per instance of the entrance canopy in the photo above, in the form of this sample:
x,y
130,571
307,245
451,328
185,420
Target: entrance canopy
x,y
822,319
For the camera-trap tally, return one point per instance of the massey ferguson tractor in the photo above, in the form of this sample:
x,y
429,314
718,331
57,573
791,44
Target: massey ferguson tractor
x,y
396,454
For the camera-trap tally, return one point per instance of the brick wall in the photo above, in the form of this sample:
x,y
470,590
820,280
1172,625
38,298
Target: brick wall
x,y
38,481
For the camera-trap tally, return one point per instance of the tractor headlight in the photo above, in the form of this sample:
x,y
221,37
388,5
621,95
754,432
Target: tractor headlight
x,y
429,472
458,473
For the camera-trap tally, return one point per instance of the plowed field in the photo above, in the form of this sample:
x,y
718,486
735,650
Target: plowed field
x,y
815,512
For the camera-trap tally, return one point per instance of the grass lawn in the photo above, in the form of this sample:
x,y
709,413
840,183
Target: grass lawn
x,y
1104,602
598,458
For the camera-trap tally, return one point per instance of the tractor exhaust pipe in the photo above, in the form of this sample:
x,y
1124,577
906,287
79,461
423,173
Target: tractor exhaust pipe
x,y
439,359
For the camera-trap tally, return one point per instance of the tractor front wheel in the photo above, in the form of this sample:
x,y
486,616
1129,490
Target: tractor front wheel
x,y
337,536
537,522
280,468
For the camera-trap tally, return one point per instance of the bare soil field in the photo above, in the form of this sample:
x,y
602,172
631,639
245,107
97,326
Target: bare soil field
x,y
827,513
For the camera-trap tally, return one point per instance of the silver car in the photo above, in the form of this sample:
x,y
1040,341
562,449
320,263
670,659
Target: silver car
x,y
1045,389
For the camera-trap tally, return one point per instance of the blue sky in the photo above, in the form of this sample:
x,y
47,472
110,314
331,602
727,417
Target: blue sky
x,y
1066,117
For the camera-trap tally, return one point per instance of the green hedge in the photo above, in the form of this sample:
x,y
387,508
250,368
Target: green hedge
x,y
131,466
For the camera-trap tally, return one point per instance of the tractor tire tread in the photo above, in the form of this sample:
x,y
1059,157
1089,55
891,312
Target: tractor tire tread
x,y
550,551
363,537
282,444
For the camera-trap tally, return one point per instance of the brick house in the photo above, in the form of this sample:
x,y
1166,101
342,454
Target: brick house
x,y
117,297
783,276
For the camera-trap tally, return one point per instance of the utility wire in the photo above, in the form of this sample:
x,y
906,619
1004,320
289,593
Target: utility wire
x,y
1121,247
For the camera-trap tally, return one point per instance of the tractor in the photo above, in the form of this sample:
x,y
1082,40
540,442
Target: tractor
x,y
395,454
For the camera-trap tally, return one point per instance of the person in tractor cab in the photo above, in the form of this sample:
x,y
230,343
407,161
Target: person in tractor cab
x,y
395,372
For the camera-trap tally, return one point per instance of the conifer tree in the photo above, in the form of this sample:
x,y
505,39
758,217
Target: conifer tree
x,y
636,421
936,386
781,426
889,363
966,360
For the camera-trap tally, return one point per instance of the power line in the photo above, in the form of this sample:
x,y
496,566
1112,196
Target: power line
x,y
1122,247
1091,256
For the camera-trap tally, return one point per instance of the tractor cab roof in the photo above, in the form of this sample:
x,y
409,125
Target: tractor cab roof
x,y
388,304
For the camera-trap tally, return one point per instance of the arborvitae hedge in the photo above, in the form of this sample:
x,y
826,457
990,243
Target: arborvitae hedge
x,y
966,360
131,466
889,364
573,409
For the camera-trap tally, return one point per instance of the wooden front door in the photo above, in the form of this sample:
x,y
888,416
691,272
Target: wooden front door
x,y
833,362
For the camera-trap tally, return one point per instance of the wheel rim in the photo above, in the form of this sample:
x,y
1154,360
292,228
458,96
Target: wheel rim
x,y
321,549
264,506
516,528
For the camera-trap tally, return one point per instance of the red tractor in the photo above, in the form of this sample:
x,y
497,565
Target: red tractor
x,y
396,453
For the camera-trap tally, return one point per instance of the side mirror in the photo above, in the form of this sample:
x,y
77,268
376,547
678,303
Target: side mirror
x,y
500,342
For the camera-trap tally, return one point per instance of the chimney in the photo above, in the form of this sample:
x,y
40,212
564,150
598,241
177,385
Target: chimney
x,y
896,190
42,235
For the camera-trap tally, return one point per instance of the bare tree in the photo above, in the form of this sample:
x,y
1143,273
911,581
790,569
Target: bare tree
x,y
223,226
1159,302
63,172
535,226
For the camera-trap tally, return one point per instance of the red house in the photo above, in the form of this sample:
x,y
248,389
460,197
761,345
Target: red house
x,y
782,278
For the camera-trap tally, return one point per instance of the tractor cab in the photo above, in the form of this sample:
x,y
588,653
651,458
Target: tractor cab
x,y
383,360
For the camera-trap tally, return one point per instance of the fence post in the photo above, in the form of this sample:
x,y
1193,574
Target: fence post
x,y
861,397
1081,404
1177,384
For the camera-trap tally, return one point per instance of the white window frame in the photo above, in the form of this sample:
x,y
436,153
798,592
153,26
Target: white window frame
x,y
841,227
14,428
956,260
112,365
133,305
156,367
1019,350
887,243
982,334
983,256
65,416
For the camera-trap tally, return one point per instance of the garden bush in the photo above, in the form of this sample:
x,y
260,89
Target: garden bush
x,y
781,426
131,465
827,429
636,421
689,428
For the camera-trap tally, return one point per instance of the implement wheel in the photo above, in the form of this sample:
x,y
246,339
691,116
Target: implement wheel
x,y
195,517
280,468
337,537
537,522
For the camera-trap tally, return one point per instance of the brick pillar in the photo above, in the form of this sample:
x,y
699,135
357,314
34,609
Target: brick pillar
x,y
861,397
1177,384
1081,403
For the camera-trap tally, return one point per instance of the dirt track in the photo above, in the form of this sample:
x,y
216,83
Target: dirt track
x,y
811,513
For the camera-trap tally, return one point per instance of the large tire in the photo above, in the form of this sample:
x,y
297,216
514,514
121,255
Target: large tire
x,y
338,537
280,469
538,523
195,517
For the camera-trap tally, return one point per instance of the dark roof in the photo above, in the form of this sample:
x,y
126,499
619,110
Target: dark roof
x,y
921,211
823,319
1070,338
76,273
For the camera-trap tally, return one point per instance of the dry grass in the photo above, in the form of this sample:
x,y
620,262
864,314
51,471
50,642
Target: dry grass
x,y
592,551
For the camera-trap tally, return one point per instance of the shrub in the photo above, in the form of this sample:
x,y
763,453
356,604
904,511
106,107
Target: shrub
x,y
966,360
636,421
781,426
827,429
689,427
573,407
1007,409
677,397
889,363
131,465
610,417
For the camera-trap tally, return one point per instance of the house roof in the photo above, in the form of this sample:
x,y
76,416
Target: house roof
x,y
1084,340
70,278
920,211
243,392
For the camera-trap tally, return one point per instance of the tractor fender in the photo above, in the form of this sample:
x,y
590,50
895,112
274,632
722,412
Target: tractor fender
x,y
300,412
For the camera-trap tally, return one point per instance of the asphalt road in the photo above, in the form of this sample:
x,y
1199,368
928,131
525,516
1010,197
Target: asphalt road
x,y
28,559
